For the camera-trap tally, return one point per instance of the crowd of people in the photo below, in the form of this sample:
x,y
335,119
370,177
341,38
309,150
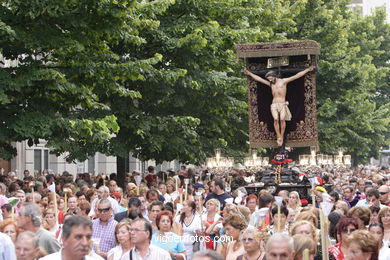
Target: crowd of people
x,y
195,214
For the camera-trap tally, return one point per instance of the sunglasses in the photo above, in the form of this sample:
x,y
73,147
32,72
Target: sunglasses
x,y
348,230
383,193
104,210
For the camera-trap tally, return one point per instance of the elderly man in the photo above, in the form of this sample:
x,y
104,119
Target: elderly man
x,y
384,192
30,219
280,246
26,246
104,193
141,234
76,239
104,227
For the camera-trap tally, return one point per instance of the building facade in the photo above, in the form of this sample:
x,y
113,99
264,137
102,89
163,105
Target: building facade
x,y
368,7
39,158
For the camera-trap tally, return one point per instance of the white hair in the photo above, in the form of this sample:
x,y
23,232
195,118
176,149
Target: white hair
x,y
33,210
280,238
105,189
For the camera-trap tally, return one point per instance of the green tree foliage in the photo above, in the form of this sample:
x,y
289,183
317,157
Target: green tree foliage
x,y
63,64
186,117
353,106
161,79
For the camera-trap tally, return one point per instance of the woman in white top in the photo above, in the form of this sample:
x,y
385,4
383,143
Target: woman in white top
x,y
294,206
189,226
123,240
51,223
377,230
384,218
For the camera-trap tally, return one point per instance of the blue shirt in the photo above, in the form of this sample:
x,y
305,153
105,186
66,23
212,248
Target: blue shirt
x,y
172,242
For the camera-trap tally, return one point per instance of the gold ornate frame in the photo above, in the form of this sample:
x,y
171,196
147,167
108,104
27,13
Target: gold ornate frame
x,y
306,132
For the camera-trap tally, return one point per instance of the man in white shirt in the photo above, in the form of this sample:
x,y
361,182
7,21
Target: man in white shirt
x,y
162,189
76,238
141,235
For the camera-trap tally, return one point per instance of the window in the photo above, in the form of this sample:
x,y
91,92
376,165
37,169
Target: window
x,y
91,164
41,159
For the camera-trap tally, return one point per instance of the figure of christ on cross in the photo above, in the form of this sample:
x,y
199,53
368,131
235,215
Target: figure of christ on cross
x,y
279,107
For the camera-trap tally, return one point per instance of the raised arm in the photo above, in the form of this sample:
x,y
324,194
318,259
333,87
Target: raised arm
x,y
299,74
255,77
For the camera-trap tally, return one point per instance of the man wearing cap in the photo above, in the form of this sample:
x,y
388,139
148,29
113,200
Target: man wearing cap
x,y
279,106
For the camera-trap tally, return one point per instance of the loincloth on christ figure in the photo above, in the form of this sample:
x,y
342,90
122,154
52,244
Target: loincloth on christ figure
x,y
281,111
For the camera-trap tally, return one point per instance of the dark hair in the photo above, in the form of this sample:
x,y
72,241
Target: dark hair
x,y
156,203
169,208
8,207
134,201
335,195
283,210
372,192
79,194
150,168
161,214
348,187
151,192
374,209
376,224
219,183
75,221
334,218
264,200
134,213
191,204
344,222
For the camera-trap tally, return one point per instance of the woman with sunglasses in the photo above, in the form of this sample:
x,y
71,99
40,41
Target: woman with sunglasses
x,y
253,241
345,227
